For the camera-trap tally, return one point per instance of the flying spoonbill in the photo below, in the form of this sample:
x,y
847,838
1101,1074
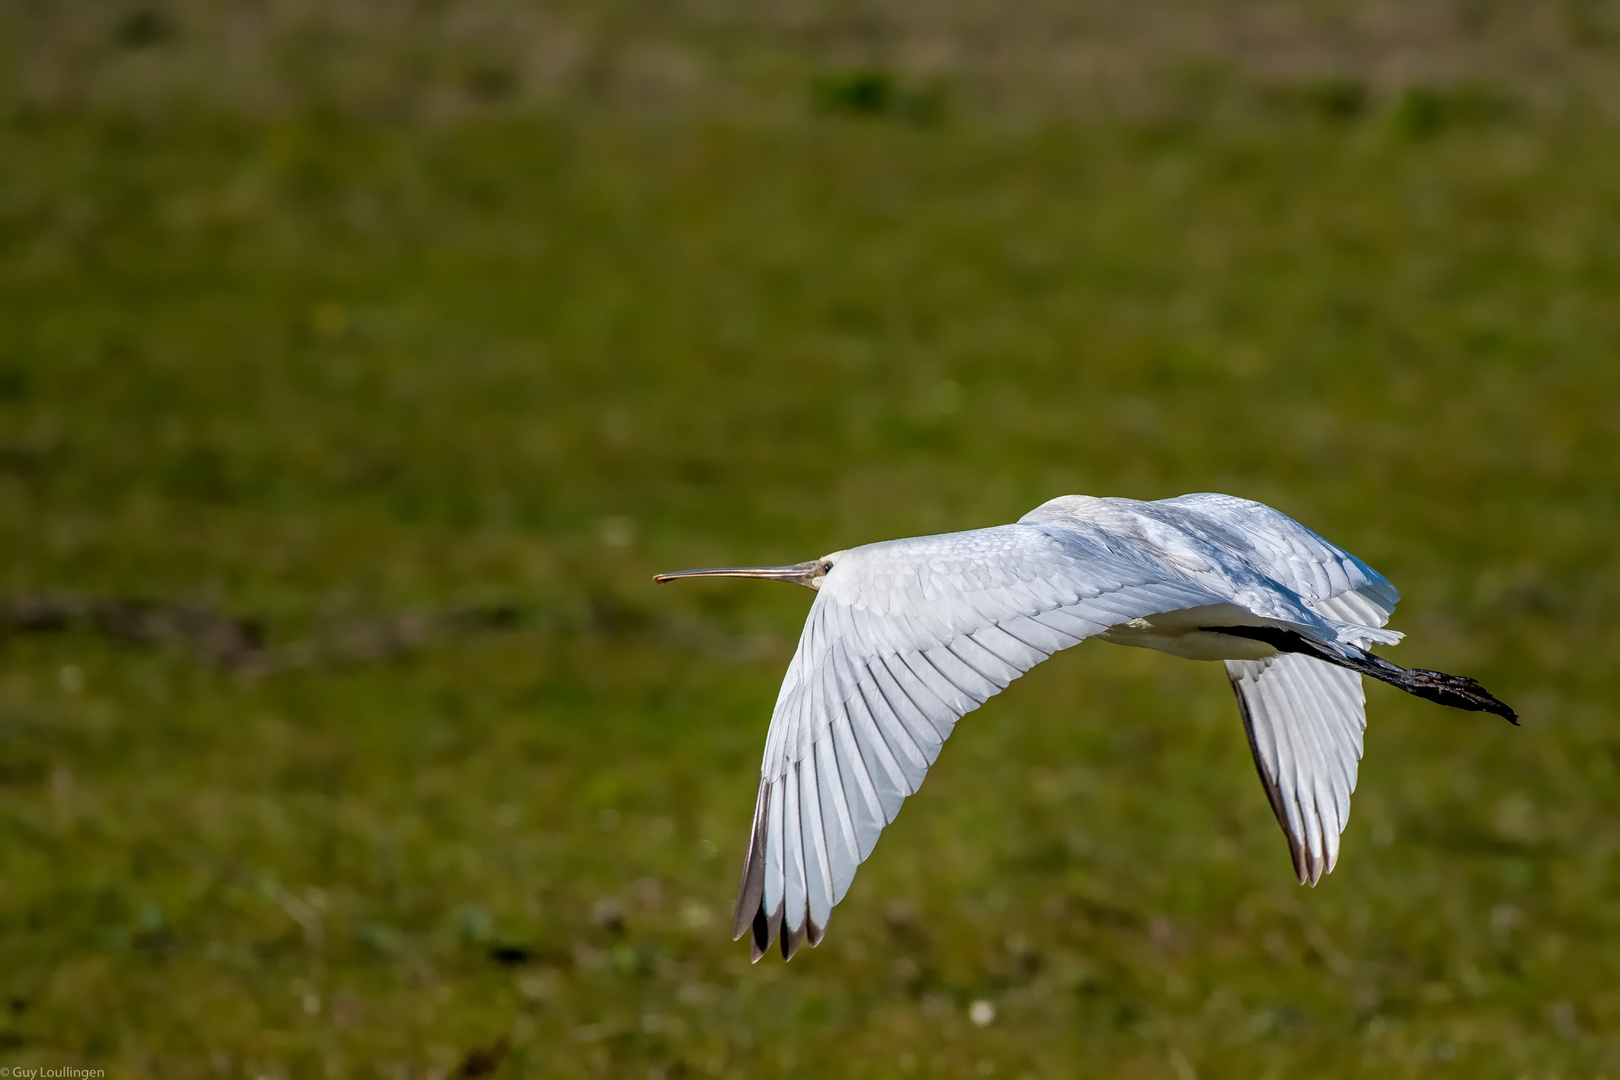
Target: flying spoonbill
x,y
905,637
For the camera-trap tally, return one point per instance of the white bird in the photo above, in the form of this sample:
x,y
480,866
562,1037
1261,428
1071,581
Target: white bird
x,y
907,636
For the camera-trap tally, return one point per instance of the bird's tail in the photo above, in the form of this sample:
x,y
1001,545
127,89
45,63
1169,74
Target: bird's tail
x,y
1364,637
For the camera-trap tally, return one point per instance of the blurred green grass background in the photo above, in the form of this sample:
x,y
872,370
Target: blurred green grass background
x,y
417,337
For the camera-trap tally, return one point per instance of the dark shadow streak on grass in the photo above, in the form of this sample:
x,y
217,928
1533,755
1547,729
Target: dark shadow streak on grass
x,y
239,643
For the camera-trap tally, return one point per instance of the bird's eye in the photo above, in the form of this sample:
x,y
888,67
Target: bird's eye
x,y
826,565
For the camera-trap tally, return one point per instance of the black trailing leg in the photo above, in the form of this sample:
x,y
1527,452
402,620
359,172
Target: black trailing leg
x,y
1457,691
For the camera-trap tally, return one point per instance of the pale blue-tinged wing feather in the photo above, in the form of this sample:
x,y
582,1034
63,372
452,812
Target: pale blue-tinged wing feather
x,y
905,710
818,868
894,758
843,849
866,807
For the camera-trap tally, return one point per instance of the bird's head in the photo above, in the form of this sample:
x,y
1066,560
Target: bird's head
x,y
808,574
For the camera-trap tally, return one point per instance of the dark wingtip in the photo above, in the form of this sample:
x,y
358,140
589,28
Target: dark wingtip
x,y
751,891
765,930
761,939
1296,852
791,940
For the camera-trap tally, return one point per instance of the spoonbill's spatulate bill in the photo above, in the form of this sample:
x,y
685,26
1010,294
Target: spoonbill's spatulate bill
x,y
907,636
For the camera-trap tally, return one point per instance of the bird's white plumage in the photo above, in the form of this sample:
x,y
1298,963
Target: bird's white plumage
x,y
1304,719
907,636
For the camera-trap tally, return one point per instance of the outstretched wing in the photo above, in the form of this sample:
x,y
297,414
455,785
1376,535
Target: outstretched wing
x,y
1304,717
904,638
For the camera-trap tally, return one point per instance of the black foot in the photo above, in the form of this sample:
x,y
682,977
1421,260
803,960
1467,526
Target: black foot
x,y
1458,691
